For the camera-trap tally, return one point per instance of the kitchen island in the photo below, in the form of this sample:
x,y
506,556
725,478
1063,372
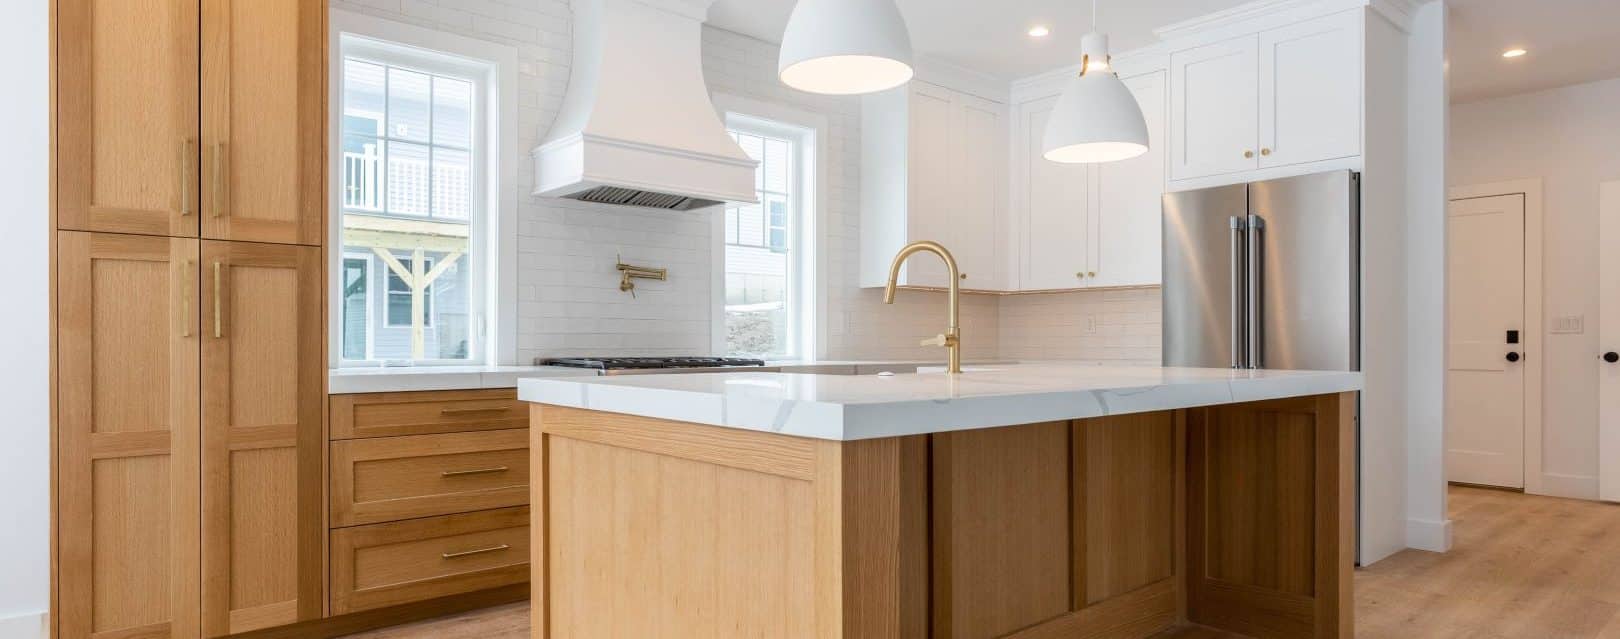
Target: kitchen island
x,y
1026,501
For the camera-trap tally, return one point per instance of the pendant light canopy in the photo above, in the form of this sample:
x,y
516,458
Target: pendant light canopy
x,y
1096,119
845,47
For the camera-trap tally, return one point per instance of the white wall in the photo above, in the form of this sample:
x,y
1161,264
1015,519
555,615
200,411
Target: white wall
x,y
568,297
24,382
1569,138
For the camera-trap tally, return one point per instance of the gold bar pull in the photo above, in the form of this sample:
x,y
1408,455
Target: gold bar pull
x,y
472,411
475,471
218,330
185,298
469,553
219,155
185,176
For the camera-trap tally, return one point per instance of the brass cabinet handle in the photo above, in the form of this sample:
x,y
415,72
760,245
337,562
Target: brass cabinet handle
x,y
185,176
185,298
964,276
471,411
219,154
218,330
475,471
1248,153
1265,151
1091,273
469,553
1080,274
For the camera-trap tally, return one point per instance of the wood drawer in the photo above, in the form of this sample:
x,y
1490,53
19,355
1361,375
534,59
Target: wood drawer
x,y
405,561
393,478
425,412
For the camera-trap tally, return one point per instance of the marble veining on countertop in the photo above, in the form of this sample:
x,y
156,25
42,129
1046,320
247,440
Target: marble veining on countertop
x,y
852,407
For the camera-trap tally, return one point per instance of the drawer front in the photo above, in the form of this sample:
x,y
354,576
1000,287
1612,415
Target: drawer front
x,y
393,478
427,412
401,562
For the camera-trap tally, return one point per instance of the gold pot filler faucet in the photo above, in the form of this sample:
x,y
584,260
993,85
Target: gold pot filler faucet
x,y
951,339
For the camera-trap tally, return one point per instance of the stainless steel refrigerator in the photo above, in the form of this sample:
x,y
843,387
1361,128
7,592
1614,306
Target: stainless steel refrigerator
x,y
1264,275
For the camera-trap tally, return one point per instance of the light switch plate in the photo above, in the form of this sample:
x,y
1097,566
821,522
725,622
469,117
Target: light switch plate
x,y
1569,324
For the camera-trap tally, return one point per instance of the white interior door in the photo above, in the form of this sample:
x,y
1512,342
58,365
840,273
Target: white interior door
x,y
1484,371
1609,342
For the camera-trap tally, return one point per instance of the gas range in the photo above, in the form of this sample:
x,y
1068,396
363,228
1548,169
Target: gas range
x,y
657,365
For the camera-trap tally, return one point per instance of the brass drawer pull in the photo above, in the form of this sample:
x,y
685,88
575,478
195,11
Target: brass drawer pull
x,y
185,176
218,330
475,471
469,553
185,299
472,411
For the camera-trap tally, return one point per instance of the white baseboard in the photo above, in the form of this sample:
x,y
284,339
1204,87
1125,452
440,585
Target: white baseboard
x,y
31,625
1571,486
1427,534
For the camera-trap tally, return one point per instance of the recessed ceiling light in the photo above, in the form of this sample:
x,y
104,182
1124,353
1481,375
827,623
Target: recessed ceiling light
x,y
1039,31
1513,53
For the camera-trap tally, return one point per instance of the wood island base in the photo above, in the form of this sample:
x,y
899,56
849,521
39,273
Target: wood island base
x,y
1236,516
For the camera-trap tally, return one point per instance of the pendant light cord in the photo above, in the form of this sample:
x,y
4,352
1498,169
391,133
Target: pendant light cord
x,y
1093,16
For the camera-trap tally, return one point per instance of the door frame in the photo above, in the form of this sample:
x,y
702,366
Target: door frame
x,y
1530,188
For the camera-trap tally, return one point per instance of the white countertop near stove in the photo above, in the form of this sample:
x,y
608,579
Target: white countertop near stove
x,y
852,407
387,379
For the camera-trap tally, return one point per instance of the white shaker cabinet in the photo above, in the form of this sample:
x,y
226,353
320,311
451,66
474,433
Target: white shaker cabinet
x,y
1128,199
1215,126
1285,96
933,168
1059,232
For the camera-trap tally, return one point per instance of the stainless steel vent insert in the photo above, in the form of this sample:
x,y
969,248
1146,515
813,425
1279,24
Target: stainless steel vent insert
x,y
647,199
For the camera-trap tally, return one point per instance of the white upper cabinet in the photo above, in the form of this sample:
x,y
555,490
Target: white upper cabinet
x,y
933,167
1214,112
1128,199
1285,96
1059,233
1310,83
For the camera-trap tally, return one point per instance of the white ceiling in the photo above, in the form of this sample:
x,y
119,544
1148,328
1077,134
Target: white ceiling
x,y
990,36
1570,42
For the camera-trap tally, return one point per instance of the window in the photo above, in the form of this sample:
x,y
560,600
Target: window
x,y
399,299
767,265
413,198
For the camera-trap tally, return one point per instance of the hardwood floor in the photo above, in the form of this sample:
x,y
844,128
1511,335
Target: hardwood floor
x,y
1523,567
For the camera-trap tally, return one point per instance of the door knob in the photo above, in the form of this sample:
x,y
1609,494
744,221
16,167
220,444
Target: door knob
x,y
1611,357
1513,356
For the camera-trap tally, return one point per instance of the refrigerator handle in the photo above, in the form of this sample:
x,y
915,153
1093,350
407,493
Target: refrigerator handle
x,y
1236,259
1254,289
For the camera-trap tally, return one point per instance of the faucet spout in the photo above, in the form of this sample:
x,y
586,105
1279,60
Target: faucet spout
x,y
951,338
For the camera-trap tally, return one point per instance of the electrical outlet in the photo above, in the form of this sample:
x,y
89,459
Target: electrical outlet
x,y
1089,326
1569,324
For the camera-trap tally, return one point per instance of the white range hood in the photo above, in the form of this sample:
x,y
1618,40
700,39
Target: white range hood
x,y
636,127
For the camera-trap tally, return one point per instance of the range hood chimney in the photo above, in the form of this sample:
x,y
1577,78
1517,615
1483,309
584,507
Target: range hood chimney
x,y
636,127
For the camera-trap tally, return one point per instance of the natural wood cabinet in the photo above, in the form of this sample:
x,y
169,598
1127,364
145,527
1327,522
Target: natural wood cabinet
x,y
390,478
420,559
127,423
177,116
263,386
263,120
127,116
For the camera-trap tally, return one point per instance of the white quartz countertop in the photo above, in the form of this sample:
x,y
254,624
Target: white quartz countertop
x,y
852,407
342,381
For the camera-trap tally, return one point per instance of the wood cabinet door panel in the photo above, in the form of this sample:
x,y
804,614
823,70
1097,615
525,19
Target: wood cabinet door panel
x,y
415,560
390,478
364,415
1214,122
126,101
127,421
1310,90
262,395
264,120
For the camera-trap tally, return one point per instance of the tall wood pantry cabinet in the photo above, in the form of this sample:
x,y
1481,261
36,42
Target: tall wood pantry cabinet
x,y
189,158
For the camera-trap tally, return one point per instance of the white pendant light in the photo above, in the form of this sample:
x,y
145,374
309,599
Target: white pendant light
x,y
1096,119
845,47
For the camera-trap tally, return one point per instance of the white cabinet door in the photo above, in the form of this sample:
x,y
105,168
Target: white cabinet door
x,y
979,175
1128,195
931,191
1310,90
1213,113
1058,223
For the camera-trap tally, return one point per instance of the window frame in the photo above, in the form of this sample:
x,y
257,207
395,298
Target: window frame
x,y
807,131
492,248
388,277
